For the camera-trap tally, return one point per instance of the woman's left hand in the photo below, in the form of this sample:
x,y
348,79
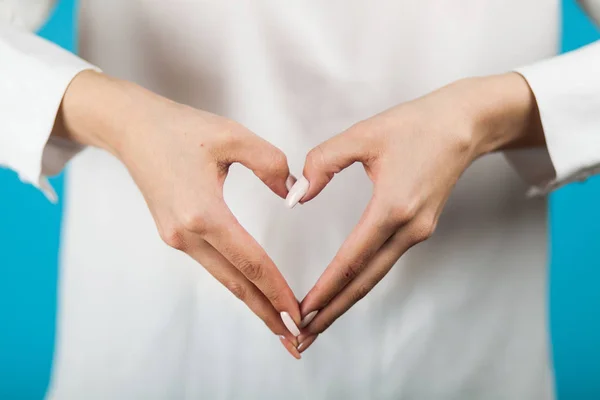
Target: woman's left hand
x,y
414,154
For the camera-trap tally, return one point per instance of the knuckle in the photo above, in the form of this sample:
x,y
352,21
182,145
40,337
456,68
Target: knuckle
x,y
229,135
238,290
195,222
173,236
402,212
366,130
276,167
279,162
423,229
251,269
315,159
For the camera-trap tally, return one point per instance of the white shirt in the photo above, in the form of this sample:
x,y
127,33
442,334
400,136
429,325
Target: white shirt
x,y
461,316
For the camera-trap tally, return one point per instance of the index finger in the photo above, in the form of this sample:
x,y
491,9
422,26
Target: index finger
x,y
231,240
379,266
371,232
218,266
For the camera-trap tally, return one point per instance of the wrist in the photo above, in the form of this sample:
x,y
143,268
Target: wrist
x,y
101,111
504,113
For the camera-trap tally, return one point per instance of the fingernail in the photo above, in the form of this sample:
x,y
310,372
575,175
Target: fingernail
x,y
281,337
297,192
306,343
308,318
289,323
289,182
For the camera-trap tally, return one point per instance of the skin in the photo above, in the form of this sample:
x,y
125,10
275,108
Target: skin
x,y
179,157
414,154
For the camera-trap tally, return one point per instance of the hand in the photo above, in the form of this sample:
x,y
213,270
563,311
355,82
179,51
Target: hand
x,y
179,158
414,154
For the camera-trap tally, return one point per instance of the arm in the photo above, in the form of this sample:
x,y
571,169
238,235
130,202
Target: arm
x,y
414,161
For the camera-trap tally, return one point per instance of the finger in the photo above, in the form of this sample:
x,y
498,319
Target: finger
x,y
371,232
240,286
331,157
267,162
379,266
231,240
290,348
306,342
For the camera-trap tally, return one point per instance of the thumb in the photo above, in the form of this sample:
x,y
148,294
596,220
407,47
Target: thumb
x,y
267,162
331,157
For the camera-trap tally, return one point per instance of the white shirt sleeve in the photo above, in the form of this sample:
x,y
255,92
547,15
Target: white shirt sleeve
x,y
34,75
567,91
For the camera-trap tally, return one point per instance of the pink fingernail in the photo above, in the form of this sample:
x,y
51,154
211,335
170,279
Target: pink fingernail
x,y
297,192
289,323
289,182
305,344
308,319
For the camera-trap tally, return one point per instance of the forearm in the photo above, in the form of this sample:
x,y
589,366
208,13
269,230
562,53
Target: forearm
x,y
101,111
503,113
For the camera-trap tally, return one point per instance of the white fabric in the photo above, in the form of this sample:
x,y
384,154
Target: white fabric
x,y
566,90
34,75
461,316
569,104
26,14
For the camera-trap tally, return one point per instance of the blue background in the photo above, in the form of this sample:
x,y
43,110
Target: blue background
x,y
575,262
29,242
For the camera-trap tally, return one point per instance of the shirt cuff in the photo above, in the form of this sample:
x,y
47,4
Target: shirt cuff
x,y
567,91
34,77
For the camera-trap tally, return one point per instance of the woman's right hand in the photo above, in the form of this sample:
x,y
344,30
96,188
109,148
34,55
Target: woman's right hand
x,y
179,158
